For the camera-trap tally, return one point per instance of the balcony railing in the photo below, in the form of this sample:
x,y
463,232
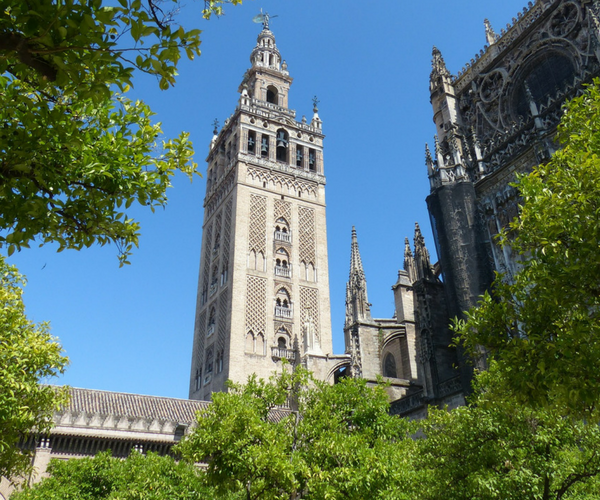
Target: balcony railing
x,y
283,353
283,312
286,272
281,236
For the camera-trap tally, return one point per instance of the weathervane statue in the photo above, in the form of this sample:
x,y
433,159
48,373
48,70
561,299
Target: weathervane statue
x,y
263,18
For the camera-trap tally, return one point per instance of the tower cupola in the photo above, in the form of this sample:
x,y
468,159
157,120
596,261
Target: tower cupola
x,y
266,54
268,79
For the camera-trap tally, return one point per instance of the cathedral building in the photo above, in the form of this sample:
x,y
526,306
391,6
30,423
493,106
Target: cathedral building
x,y
263,291
494,120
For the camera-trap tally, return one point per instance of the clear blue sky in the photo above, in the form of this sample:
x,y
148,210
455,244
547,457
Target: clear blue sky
x,y
130,329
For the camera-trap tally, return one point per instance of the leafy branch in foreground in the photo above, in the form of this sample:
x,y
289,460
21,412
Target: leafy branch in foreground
x,y
543,328
76,153
28,355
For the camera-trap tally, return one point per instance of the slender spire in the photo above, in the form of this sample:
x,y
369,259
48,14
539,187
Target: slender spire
x,y
490,35
438,66
357,302
422,261
356,267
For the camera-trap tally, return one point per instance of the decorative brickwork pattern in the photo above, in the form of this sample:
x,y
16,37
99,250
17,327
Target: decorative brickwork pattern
x,y
283,209
227,229
222,320
207,253
256,304
306,223
293,185
257,230
309,307
200,335
217,243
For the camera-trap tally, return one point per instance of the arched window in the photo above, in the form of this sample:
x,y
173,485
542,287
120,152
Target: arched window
x,y
282,267
282,230
282,343
219,362
260,344
283,304
211,322
250,342
272,95
282,145
389,366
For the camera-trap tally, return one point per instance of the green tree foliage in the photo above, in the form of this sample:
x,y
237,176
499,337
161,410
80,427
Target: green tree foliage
x,y
497,448
28,355
339,442
139,477
543,327
75,153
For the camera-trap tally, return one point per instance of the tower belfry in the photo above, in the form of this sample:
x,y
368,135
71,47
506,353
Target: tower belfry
x,y
263,291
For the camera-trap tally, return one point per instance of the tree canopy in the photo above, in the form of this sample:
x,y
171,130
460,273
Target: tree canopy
x,y
75,151
543,327
495,447
338,442
103,477
28,354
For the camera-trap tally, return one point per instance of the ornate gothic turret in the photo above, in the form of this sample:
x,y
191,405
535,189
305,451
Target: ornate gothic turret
x,y
357,302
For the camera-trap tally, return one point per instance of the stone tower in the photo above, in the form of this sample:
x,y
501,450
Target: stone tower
x,y
263,291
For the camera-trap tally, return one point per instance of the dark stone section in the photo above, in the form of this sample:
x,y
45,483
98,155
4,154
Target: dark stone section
x,y
462,251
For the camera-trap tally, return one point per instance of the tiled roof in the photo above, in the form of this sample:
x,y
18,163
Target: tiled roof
x,y
134,405
139,406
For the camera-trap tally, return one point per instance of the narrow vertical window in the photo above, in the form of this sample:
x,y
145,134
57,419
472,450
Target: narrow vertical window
x,y
264,146
299,156
282,145
251,141
312,160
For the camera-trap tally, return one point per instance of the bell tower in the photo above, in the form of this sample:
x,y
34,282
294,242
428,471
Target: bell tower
x,y
263,291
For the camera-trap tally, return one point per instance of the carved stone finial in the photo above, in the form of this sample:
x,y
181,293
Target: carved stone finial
x,y
428,158
490,35
216,127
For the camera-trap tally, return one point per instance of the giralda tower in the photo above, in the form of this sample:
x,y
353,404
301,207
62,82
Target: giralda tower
x,y
263,291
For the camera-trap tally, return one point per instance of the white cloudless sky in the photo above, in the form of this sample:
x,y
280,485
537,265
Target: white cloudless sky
x,y
130,329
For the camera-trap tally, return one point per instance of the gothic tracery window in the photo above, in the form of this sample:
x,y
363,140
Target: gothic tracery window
x,y
389,366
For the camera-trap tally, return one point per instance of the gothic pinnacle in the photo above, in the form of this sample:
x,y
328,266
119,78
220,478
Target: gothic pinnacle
x,y
438,66
490,35
356,266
